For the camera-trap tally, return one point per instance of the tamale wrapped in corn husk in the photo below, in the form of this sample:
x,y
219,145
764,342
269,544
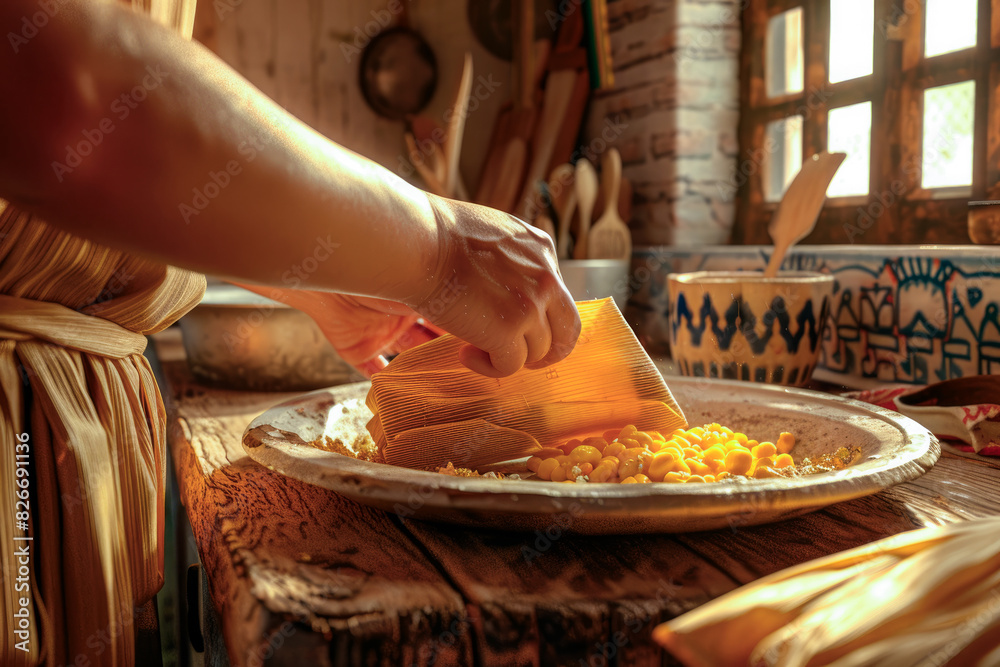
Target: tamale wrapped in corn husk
x,y
431,410
926,597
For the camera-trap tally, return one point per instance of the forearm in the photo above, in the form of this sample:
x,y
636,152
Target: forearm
x,y
117,130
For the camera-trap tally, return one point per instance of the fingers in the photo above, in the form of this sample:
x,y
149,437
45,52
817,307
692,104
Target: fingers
x,y
505,361
372,366
564,325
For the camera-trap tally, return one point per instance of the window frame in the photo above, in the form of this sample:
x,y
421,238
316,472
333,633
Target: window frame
x,y
896,209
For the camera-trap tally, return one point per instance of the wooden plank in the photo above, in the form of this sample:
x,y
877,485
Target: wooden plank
x,y
266,546
558,598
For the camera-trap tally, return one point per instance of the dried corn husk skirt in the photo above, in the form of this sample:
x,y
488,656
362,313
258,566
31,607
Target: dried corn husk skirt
x,y
82,443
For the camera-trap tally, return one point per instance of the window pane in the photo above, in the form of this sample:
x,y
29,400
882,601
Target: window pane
x,y
849,130
783,157
948,121
783,53
949,25
852,32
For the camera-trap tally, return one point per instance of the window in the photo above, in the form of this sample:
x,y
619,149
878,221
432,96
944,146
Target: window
x,y
909,89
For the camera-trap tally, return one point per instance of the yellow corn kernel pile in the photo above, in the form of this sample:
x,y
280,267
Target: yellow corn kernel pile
x,y
701,454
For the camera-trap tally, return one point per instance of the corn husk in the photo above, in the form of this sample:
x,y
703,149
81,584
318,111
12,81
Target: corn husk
x,y
926,597
430,410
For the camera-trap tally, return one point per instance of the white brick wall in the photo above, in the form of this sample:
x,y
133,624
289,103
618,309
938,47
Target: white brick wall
x,y
677,90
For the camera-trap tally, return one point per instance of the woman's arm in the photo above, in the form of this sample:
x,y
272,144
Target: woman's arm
x,y
118,130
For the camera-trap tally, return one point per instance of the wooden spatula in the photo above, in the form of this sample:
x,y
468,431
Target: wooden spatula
x,y
610,237
586,194
799,208
563,190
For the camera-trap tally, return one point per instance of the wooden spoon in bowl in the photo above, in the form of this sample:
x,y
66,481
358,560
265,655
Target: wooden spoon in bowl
x,y
799,208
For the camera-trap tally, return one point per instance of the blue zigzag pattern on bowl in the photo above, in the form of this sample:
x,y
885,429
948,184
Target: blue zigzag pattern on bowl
x,y
899,314
739,310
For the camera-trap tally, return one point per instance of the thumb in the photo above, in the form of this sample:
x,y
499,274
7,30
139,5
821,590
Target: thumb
x,y
504,362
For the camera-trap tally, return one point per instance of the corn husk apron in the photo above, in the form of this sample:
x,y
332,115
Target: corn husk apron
x,y
73,320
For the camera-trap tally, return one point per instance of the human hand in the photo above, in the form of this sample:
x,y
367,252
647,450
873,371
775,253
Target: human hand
x,y
361,329
497,287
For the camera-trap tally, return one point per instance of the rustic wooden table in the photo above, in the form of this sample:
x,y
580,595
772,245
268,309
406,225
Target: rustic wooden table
x,y
301,576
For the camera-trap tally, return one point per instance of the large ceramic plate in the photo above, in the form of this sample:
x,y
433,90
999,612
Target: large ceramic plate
x,y
894,450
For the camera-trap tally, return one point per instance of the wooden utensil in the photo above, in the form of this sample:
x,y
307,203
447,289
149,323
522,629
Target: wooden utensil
x,y
508,178
563,190
544,223
610,237
586,194
800,206
558,89
456,126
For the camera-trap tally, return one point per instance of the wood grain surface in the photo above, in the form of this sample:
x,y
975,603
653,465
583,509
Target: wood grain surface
x,y
299,575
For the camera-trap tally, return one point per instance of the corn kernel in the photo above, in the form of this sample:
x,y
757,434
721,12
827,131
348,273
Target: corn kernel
x,y
783,461
533,463
546,467
610,436
559,474
585,454
697,467
549,452
627,431
674,477
614,449
630,443
630,480
584,469
597,443
786,443
695,478
762,472
643,439
764,450
601,473
611,461
710,478
740,438
721,476
663,462
656,435
567,447
714,452
691,452
738,461
766,462
642,479
628,467
631,453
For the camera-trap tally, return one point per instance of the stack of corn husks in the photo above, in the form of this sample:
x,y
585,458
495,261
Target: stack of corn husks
x,y
927,597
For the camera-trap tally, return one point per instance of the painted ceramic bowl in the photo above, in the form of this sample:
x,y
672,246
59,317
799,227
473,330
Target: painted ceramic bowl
x,y
741,325
900,314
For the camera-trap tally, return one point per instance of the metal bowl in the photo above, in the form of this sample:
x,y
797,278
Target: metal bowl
x,y
236,339
596,279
